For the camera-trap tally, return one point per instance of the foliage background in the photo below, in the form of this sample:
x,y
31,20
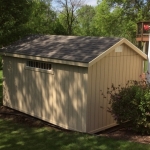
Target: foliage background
x,y
117,18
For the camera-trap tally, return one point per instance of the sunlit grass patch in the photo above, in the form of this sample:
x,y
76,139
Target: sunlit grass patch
x,y
20,136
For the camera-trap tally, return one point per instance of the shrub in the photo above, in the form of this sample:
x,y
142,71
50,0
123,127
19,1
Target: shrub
x,y
0,62
131,104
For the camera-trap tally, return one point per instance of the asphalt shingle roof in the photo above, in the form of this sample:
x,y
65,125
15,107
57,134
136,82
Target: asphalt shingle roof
x,y
74,48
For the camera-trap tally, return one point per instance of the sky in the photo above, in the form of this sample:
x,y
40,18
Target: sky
x,y
91,2
88,2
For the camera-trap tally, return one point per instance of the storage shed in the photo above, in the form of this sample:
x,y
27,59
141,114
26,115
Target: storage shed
x,y
59,78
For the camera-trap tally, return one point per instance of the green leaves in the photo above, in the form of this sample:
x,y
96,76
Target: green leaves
x,y
13,15
84,24
110,18
23,17
0,62
132,104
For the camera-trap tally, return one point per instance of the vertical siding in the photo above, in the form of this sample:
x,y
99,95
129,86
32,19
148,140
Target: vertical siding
x,y
116,68
6,96
59,98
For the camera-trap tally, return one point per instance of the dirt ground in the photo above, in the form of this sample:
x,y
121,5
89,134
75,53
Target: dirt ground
x,y
123,134
117,133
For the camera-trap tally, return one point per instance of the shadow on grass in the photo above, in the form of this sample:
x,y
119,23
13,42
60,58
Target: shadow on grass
x,y
17,136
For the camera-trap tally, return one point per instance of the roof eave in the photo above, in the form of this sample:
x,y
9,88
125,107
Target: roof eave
x,y
137,50
66,62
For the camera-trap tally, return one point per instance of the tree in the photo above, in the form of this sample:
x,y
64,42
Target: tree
x,y
133,11
103,19
23,17
84,20
59,28
14,14
67,13
42,17
132,8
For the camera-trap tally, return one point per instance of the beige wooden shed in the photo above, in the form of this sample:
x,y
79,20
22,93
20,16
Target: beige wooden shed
x,y
58,78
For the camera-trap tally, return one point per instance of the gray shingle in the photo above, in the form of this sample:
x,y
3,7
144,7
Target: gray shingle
x,y
74,48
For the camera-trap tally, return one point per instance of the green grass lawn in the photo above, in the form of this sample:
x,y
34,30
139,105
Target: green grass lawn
x,y
22,137
16,136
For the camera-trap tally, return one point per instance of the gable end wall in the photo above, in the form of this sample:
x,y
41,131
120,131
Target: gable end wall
x,y
116,68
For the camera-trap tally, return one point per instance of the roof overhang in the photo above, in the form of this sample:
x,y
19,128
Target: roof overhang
x,y
123,41
81,64
66,62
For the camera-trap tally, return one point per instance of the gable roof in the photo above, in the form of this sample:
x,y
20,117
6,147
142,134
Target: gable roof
x,y
74,48
68,48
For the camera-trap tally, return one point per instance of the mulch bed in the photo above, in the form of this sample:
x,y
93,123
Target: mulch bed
x,y
124,134
117,133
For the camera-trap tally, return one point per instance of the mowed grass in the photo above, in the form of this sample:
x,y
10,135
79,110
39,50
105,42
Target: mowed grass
x,y
22,137
16,136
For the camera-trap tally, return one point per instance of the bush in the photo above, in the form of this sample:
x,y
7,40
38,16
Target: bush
x,y
0,62
131,104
